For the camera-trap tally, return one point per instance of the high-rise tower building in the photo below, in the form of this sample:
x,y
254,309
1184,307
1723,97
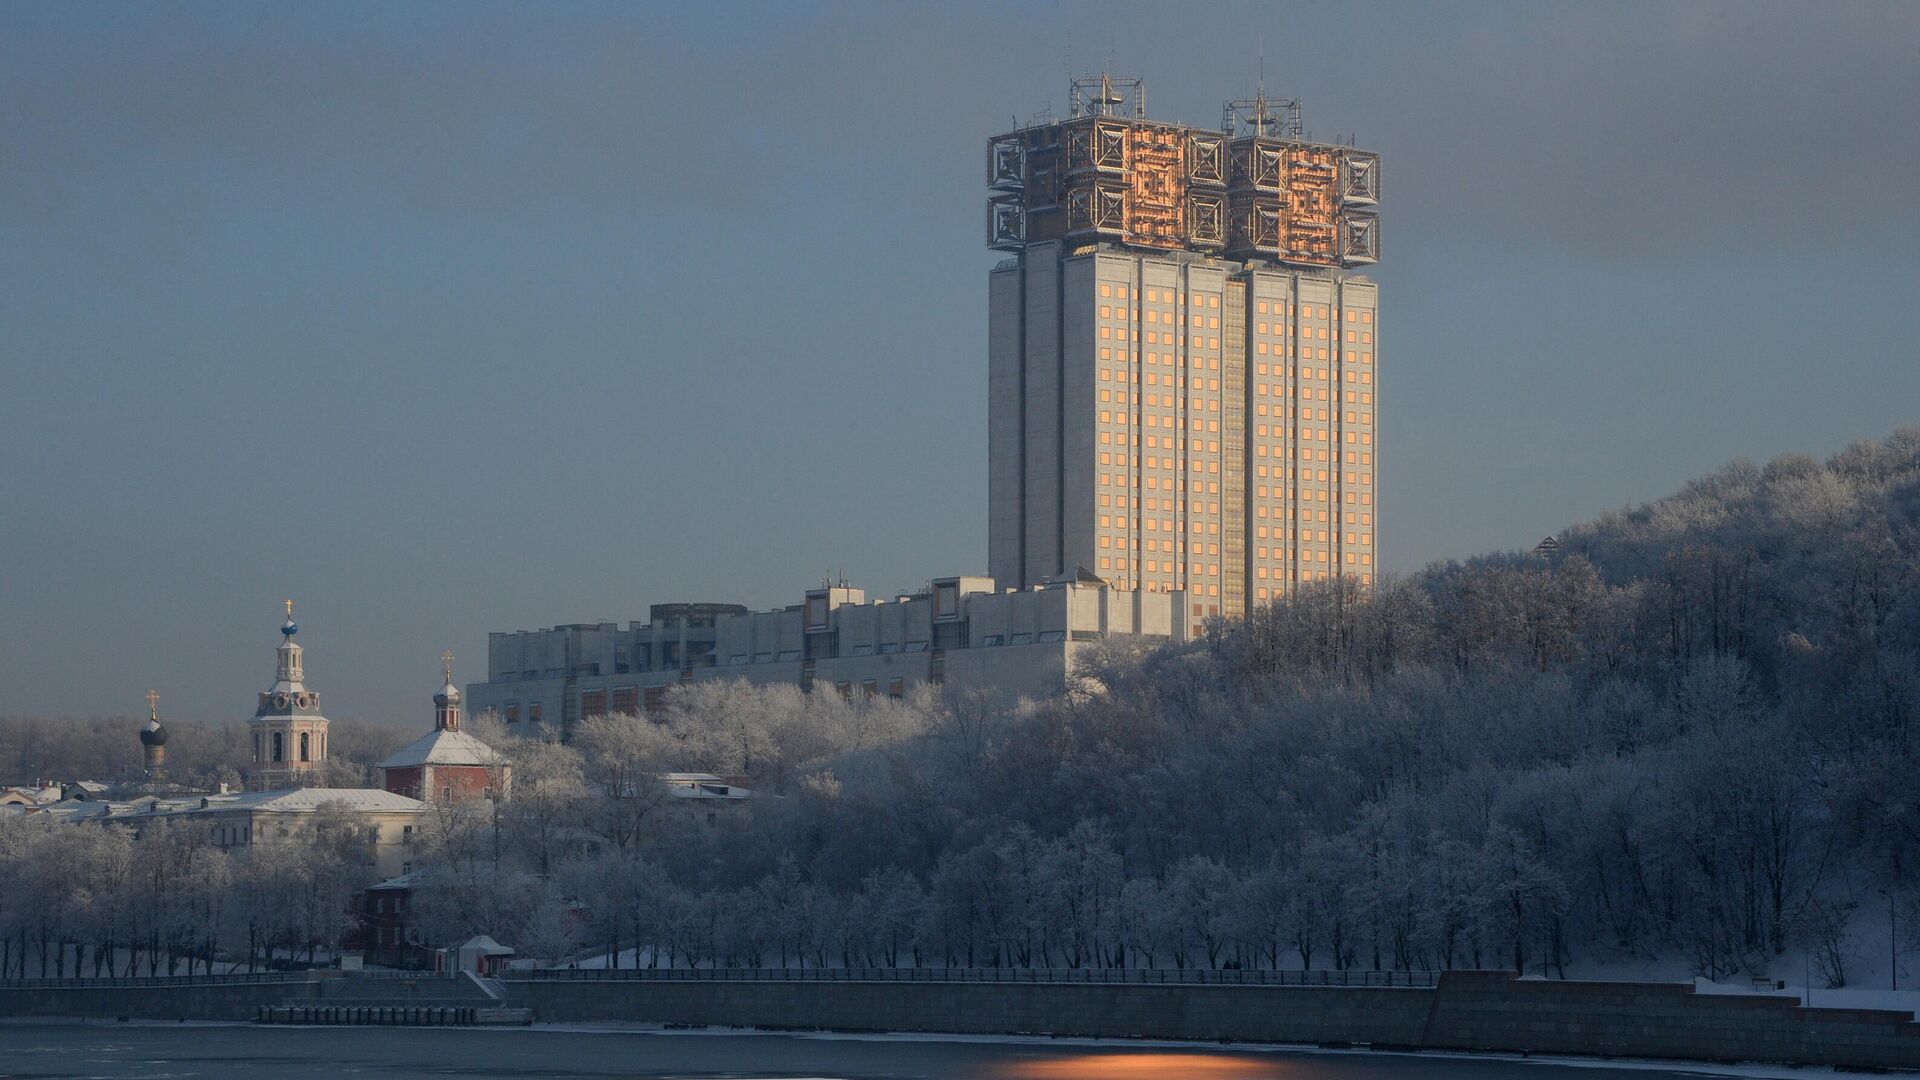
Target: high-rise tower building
x,y
1183,368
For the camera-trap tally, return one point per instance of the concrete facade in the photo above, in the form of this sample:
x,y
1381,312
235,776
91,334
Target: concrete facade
x,y
961,633
1173,422
1240,1013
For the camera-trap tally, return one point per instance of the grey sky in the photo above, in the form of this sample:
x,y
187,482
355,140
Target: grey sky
x,y
442,319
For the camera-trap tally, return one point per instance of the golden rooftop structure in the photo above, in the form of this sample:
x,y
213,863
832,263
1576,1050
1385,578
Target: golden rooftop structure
x,y
1255,189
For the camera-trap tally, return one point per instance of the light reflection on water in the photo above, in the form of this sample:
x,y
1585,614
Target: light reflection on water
x,y
57,1050
1170,1066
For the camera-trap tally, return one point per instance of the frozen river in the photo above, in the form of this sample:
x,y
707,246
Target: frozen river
x,y
218,1051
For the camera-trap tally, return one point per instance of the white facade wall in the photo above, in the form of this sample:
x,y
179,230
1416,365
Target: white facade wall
x,y
1006,463
1042,434
1187,424
964,635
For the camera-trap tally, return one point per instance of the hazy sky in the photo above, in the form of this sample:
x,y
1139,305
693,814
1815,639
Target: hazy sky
x,y
443,319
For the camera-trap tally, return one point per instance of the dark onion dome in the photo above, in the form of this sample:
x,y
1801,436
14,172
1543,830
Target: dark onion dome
x,y
288,628
153,734
448,695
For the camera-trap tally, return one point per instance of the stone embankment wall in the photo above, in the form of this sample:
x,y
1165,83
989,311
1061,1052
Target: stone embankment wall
x,y
209,1001
1483,1010
1244,1013
1488,1011
215,999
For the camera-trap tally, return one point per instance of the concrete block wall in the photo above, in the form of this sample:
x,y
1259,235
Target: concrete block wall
x,y
1493,1011
1485,1011
1249,1013
232,1001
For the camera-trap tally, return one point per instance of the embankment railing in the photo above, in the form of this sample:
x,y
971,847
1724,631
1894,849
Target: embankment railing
x,y
240,979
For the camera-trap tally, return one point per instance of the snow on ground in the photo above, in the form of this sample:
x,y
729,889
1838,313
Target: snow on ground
x,y
1848,997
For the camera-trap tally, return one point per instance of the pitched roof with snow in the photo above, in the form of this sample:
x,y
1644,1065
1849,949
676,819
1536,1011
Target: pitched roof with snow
x,y
307,799
442,747
294,801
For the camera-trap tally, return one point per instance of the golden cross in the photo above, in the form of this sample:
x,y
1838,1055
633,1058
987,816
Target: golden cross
x,y
289,609
446,658
153,704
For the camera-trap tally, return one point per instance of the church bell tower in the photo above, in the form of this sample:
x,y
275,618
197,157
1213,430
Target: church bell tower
x,y
289,734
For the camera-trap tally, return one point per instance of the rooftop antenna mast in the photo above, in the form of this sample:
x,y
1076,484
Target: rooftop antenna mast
x,y
1261,116
1108,95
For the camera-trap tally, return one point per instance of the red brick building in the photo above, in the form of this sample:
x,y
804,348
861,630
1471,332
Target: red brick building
x,y
446,764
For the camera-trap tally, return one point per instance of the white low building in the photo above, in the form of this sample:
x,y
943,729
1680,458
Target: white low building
x,y
963,634
387,824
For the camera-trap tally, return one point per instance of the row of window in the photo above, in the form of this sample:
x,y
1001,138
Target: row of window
x,y
1288,371
1175,382
311,746
1305,536
240,835
1110,290
1155,315
1307,575
1156,401
1197,465
1363,316
1169,546
1159,296
1260,450
863,649
1157,337
1260,408
1168,566
1150,358
1289,352
896,688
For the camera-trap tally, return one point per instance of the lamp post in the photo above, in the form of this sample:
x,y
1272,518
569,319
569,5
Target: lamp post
x,y
1893,941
